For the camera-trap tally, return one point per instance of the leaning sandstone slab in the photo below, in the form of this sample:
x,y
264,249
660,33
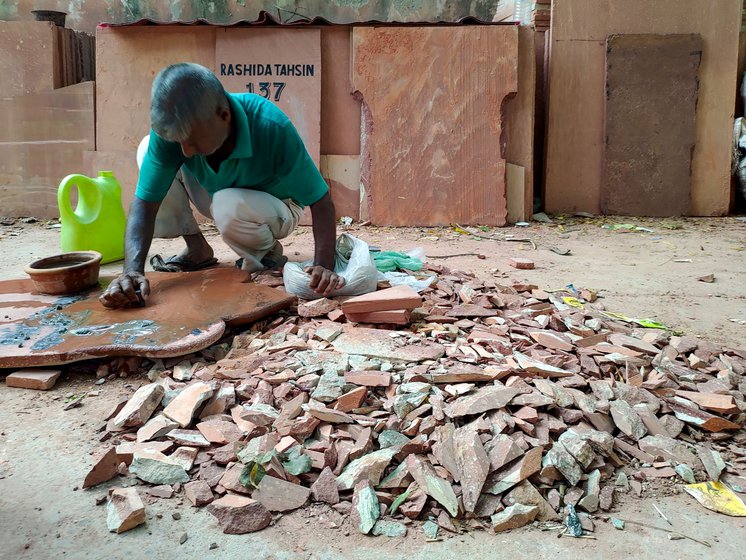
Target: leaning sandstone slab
x,y
182,408
140,407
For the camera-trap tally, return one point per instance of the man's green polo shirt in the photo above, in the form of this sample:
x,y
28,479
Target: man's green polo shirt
x,y
269,156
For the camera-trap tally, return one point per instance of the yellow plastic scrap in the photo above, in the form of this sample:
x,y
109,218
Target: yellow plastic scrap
x,y
647,323
717,497
573,302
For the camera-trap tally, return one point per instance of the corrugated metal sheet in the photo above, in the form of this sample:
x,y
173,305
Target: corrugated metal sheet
x,y
299,12
267,20
85,15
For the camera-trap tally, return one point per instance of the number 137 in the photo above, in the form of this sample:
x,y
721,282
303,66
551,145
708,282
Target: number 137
x,y
265,89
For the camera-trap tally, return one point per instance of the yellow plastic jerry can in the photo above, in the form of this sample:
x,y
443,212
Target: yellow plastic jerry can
x,y
97,223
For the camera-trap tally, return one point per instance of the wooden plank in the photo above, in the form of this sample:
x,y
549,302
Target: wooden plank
x,y
741,70
432,99
519,117
540,111
576,94
651,99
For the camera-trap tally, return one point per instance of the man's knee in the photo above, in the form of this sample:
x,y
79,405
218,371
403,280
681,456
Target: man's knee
x,y
236,225
231,208
224,214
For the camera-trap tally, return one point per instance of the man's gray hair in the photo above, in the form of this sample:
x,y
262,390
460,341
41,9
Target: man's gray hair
x,y
184,94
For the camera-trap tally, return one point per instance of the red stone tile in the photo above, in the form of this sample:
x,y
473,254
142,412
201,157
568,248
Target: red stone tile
x,y
456,174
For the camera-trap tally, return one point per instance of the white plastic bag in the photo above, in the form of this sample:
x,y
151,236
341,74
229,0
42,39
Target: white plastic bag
x,y
352,261
402,278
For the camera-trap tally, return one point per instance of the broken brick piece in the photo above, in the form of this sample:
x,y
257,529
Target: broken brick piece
x,y
198,492
552,340
701,419
103,469
162,491
337,315
154,428
365,507
220,431
523,264
185,404
513,517
527,494
39,379
238,515
156,468
352,400
368,378
317,308
724,404
325,488
433,485
280,495
125,510
140,407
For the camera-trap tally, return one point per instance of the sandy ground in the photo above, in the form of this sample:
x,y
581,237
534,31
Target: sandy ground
x,y
44,450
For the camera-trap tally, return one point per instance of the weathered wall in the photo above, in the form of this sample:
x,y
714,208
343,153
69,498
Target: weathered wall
x,y
130,57
86,14
575,141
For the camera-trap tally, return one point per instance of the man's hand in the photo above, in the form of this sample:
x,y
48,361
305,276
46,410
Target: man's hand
x,y
323,280
123,292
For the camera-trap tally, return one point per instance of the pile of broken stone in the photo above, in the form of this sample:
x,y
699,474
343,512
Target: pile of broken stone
x,y
498,406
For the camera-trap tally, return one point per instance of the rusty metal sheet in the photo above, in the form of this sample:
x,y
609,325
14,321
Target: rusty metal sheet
x,y
458,12
186,312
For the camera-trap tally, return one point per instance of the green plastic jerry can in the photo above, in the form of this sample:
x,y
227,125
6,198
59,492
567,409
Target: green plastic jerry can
x,y
98,222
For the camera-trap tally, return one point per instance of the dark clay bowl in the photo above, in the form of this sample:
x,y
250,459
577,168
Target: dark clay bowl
x,y
66,273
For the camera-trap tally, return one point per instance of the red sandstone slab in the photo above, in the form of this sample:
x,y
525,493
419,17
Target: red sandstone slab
x,y
524,264
394,317
185,313
39,379
389,299
432,99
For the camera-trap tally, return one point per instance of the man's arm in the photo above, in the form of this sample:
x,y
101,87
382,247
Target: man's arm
x,y
138,236
323,278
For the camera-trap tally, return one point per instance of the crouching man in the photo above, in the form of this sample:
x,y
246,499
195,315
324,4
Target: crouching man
x,y
241,162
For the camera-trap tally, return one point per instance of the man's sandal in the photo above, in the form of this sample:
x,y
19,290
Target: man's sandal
x,y
177,263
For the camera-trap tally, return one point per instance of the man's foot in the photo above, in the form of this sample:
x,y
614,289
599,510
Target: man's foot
x,y
179,263
275,259
197,255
